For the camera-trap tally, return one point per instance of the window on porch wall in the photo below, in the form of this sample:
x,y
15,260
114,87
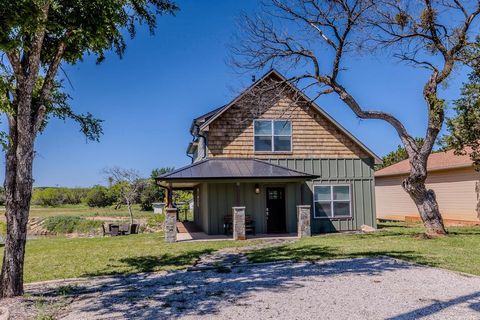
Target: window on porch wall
x,y
332,201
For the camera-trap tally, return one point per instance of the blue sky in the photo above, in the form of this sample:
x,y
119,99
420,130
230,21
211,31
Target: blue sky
x,y
149,97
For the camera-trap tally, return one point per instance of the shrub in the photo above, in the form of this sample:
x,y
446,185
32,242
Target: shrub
x,y
75,195
99,196
47,197
156,221
150,194
70,224
61,224
58,196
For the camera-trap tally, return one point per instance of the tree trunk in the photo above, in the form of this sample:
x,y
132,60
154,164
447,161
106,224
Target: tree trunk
x,y
18,191
130,212
424,199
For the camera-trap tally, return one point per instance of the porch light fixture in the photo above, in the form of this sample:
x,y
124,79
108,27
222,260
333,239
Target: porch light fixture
x,y
257,188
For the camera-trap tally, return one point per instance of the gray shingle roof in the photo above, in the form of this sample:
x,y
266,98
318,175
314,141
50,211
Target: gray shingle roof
x,y
235,168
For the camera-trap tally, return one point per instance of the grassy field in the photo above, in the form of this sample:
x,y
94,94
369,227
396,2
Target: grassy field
x,y
83,211
57,258
459,251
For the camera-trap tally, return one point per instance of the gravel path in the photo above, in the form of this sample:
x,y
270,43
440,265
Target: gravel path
x,y
374,288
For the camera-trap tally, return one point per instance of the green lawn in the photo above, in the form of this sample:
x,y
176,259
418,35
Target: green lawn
x,y
459,251
84,211
57,258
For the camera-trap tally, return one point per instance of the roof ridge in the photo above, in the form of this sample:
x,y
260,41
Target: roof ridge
x,y
310,102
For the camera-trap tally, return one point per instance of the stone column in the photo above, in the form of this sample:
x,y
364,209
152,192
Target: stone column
x,y
171,225
238,223
303,221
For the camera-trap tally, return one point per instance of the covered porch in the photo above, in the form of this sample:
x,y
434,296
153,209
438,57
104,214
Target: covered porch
x,y
240,198
202,236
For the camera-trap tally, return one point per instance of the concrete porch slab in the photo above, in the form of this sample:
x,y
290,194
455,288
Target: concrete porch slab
x,y
202,236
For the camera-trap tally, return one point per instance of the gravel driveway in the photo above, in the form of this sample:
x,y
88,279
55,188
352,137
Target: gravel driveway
x,y
374,288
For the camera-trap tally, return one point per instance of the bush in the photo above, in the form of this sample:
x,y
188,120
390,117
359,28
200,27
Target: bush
x,y
47,197
58,196
156,221
71,224
152,193
99,196
75,195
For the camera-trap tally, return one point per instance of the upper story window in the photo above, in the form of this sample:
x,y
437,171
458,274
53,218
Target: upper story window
x,y
273,135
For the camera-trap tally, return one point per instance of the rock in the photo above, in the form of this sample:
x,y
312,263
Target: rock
x,y
367,229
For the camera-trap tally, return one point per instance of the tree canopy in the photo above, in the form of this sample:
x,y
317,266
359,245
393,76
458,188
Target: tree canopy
x,y
36,36
464,128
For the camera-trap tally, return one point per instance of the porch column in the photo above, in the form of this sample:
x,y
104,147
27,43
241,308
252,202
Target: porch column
x,y
303,221
171,225
238,223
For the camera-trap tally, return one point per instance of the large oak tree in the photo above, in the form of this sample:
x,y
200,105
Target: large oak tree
x,y
313,40
36,37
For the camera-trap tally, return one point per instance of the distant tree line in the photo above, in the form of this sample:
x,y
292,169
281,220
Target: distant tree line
x,y
401,153
138,190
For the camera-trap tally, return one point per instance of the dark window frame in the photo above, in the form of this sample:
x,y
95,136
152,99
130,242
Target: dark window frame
x,y
332,201
272,136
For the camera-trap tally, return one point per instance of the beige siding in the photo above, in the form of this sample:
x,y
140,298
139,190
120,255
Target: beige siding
x,y
456,192
313,136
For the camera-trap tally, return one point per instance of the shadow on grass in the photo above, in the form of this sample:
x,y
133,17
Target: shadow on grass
x,y
314,253
463,231
149,263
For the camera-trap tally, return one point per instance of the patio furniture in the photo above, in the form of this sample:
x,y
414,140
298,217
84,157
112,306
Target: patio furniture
x,y
228,224
114,229
106,231
134,228
124,229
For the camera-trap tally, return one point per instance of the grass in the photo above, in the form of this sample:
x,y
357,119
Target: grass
x,y
58,258
459,251
84,211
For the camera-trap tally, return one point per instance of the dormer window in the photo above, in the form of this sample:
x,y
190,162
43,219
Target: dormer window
x,y
273,135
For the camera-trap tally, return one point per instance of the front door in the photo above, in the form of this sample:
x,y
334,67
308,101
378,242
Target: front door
x,y
276,210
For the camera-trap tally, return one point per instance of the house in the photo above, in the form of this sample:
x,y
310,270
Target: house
x,y
452,177
272,151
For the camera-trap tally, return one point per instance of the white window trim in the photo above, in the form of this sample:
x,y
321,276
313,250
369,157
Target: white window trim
x,y
273,135
332,201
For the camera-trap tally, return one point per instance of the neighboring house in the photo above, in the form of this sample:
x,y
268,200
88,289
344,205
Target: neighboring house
x,y
452,177
271,155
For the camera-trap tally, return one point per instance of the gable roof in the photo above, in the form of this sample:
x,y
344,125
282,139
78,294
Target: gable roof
x,y
212,116
232,168
436,161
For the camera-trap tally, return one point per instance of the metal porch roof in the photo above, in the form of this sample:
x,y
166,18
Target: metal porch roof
x,y
232,168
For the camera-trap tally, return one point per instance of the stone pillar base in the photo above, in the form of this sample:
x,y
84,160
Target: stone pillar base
x,y
238,216
171,225
303,221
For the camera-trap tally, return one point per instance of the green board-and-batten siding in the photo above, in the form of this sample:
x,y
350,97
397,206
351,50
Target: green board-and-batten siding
x,y
218,198
359,173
